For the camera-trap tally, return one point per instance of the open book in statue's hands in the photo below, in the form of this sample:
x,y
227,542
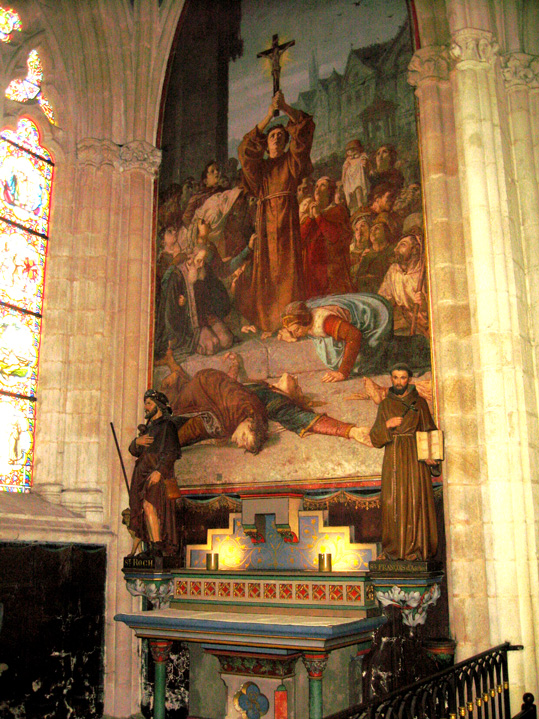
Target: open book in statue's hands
x,y
430,445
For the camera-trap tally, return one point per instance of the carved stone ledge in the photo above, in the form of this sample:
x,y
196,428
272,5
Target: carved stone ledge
x,y
139,155
474,48
429,63
520,70
134,155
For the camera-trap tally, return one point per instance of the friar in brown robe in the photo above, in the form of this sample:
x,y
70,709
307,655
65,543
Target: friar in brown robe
x,y
276,276
408,515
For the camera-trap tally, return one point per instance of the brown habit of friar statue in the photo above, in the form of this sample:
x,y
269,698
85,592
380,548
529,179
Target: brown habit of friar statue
x,y
409,529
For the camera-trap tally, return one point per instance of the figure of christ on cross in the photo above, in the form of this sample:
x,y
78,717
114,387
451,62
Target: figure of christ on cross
x,y
274,53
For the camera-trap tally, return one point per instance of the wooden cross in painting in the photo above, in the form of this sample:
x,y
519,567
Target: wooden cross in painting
x,y
274,54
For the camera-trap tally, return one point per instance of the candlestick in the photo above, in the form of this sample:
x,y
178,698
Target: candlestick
x,y
212,561
324,562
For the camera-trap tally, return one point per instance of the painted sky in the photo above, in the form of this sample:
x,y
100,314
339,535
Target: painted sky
x,y
329,27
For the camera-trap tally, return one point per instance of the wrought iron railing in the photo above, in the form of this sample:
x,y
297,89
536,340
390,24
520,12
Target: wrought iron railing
x,y
477,688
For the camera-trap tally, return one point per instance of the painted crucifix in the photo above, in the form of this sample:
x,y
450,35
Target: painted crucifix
x,y
274,53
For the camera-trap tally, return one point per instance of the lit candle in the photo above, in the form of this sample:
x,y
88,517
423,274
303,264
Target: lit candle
x,y
212,561
324,562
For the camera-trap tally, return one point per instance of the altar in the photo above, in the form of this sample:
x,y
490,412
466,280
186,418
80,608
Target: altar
x,y
265,627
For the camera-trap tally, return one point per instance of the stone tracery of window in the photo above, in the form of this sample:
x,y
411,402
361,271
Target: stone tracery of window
x,y
26,171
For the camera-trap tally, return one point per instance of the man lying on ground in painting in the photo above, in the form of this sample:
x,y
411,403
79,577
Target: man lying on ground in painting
x,y
381,201
376,259
349,331
194,304
326,237
385,168
354,175
404,286
222,407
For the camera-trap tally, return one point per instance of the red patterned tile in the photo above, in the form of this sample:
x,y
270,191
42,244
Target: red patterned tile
x,y
239,590
302,591
270,591
224,589
336,592
319,592
181,588
353,592
196,589
210,589
253,590
285,591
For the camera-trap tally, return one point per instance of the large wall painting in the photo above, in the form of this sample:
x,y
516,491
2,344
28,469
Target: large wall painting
x,y
291,258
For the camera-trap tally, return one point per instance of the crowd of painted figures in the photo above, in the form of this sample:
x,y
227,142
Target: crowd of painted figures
x,y
262,247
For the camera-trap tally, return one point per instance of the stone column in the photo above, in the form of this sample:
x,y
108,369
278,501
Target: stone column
x,y
451,323
160,652
505,406
315,664
96,350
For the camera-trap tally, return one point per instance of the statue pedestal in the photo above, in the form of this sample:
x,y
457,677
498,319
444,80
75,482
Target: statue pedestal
x,y
405,591
410,587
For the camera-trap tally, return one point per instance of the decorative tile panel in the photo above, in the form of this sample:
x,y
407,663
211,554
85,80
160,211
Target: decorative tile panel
x,y
210,589
336,592
224,589
196,589
353,593
270,591
319,592
239,590
302,591
254,590
285,591
181,588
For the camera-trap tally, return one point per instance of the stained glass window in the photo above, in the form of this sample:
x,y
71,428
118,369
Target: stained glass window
x,y
26,170
29,89
10,22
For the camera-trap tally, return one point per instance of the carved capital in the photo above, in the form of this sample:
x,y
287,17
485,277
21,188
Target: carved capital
x,y
139,155
429,63
134,155
412,603
315,664
96,153
520,70
475,48
158,589
160,650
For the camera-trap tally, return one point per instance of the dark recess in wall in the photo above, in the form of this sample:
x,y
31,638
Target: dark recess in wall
x,y
51,639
